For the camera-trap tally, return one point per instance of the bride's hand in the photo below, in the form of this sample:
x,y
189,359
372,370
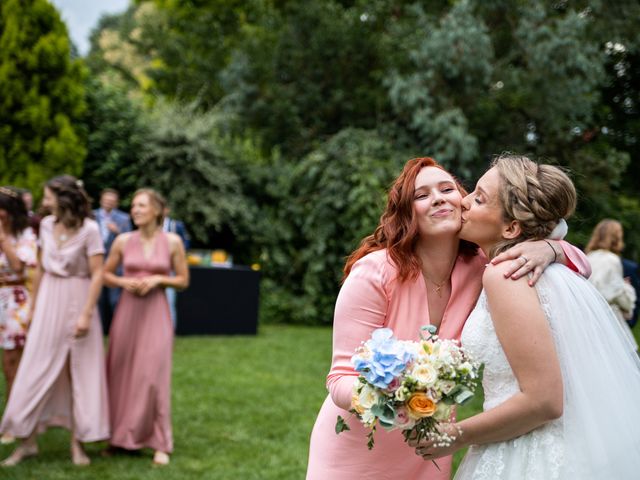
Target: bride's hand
x,y
428,450
529,257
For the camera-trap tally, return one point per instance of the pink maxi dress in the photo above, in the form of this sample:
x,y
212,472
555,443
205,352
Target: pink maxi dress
x,y
61,380
371,298
139,357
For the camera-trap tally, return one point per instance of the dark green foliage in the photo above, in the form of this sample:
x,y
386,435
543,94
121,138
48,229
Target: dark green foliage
x,y
334,197
307,110
41,96
190,162
116,135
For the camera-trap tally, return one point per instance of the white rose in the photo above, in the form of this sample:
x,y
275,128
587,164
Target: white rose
x,y
425,374
368,397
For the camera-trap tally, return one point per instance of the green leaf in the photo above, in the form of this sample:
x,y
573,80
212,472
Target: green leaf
x,y
341,425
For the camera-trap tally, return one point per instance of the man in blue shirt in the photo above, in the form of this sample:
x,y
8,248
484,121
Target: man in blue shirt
x,y
112,222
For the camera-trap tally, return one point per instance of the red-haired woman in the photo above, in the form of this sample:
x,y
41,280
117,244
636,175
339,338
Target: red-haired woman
x,y
412,271
61,379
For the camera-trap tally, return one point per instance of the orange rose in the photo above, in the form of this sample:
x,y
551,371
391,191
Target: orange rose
x,y
420,405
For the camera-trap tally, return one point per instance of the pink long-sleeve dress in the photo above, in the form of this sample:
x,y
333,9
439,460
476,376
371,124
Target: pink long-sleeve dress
x,y
61,380
139,357
370,298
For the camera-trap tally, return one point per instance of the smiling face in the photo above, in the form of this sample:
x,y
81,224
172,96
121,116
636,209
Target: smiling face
x,y
143,210
482,218
436,203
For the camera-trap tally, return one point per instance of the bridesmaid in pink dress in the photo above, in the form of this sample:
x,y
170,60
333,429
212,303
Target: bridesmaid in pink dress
x,y
61,378
411,272
141,338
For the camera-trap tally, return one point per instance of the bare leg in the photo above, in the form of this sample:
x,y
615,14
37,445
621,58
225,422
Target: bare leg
x,y
78,455
28,448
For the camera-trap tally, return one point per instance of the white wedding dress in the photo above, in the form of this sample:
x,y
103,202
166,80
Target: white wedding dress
x,y
598,435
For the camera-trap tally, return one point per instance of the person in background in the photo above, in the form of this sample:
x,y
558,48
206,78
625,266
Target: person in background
x,y
630,272
61,380
603,250
112,222
141,340
174,226
18,251
34,218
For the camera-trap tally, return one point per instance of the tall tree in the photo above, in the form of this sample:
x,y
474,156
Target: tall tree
x,y
41,95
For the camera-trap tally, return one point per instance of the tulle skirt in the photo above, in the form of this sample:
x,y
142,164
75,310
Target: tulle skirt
x,y
598,435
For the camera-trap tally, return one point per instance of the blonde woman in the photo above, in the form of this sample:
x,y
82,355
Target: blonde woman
x,y
603,250
141,340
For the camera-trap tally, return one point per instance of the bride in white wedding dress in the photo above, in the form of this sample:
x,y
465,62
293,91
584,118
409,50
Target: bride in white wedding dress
x,y
561,384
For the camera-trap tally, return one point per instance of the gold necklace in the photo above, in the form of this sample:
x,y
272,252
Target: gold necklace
x,y
438,286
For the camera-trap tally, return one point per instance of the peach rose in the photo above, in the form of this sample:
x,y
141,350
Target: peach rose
x,y
420,405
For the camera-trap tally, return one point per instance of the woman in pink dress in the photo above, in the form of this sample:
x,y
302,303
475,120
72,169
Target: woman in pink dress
x,y
141,338
61,378
411,272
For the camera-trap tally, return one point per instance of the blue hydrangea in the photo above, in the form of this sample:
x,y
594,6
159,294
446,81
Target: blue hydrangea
x,y
388,359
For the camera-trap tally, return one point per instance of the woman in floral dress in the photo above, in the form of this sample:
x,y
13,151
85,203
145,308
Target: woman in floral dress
x,y
18,251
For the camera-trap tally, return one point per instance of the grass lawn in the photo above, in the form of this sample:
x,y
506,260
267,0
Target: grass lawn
x,y
243,408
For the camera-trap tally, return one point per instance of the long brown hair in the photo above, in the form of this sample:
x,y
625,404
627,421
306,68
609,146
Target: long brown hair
x,y
74,205
11,201
398,228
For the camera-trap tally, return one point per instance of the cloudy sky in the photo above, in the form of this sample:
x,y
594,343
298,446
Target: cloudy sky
x,y
82,15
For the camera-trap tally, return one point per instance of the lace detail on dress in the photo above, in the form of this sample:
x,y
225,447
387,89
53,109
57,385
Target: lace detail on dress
x,y
480,339
538,455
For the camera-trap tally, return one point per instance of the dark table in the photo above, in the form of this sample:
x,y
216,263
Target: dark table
x,y
219,301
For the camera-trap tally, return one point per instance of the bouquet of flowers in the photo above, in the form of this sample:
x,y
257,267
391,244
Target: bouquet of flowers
x,y
408,385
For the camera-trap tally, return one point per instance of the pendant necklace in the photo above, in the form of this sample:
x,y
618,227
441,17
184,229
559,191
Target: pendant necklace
x,y
438,286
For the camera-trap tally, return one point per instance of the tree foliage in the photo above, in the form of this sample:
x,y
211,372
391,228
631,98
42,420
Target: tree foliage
x,y
117,131
189,160
41,95
329,201
275,127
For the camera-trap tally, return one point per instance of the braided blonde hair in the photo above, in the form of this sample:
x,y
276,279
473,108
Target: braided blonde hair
x,y
536,196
